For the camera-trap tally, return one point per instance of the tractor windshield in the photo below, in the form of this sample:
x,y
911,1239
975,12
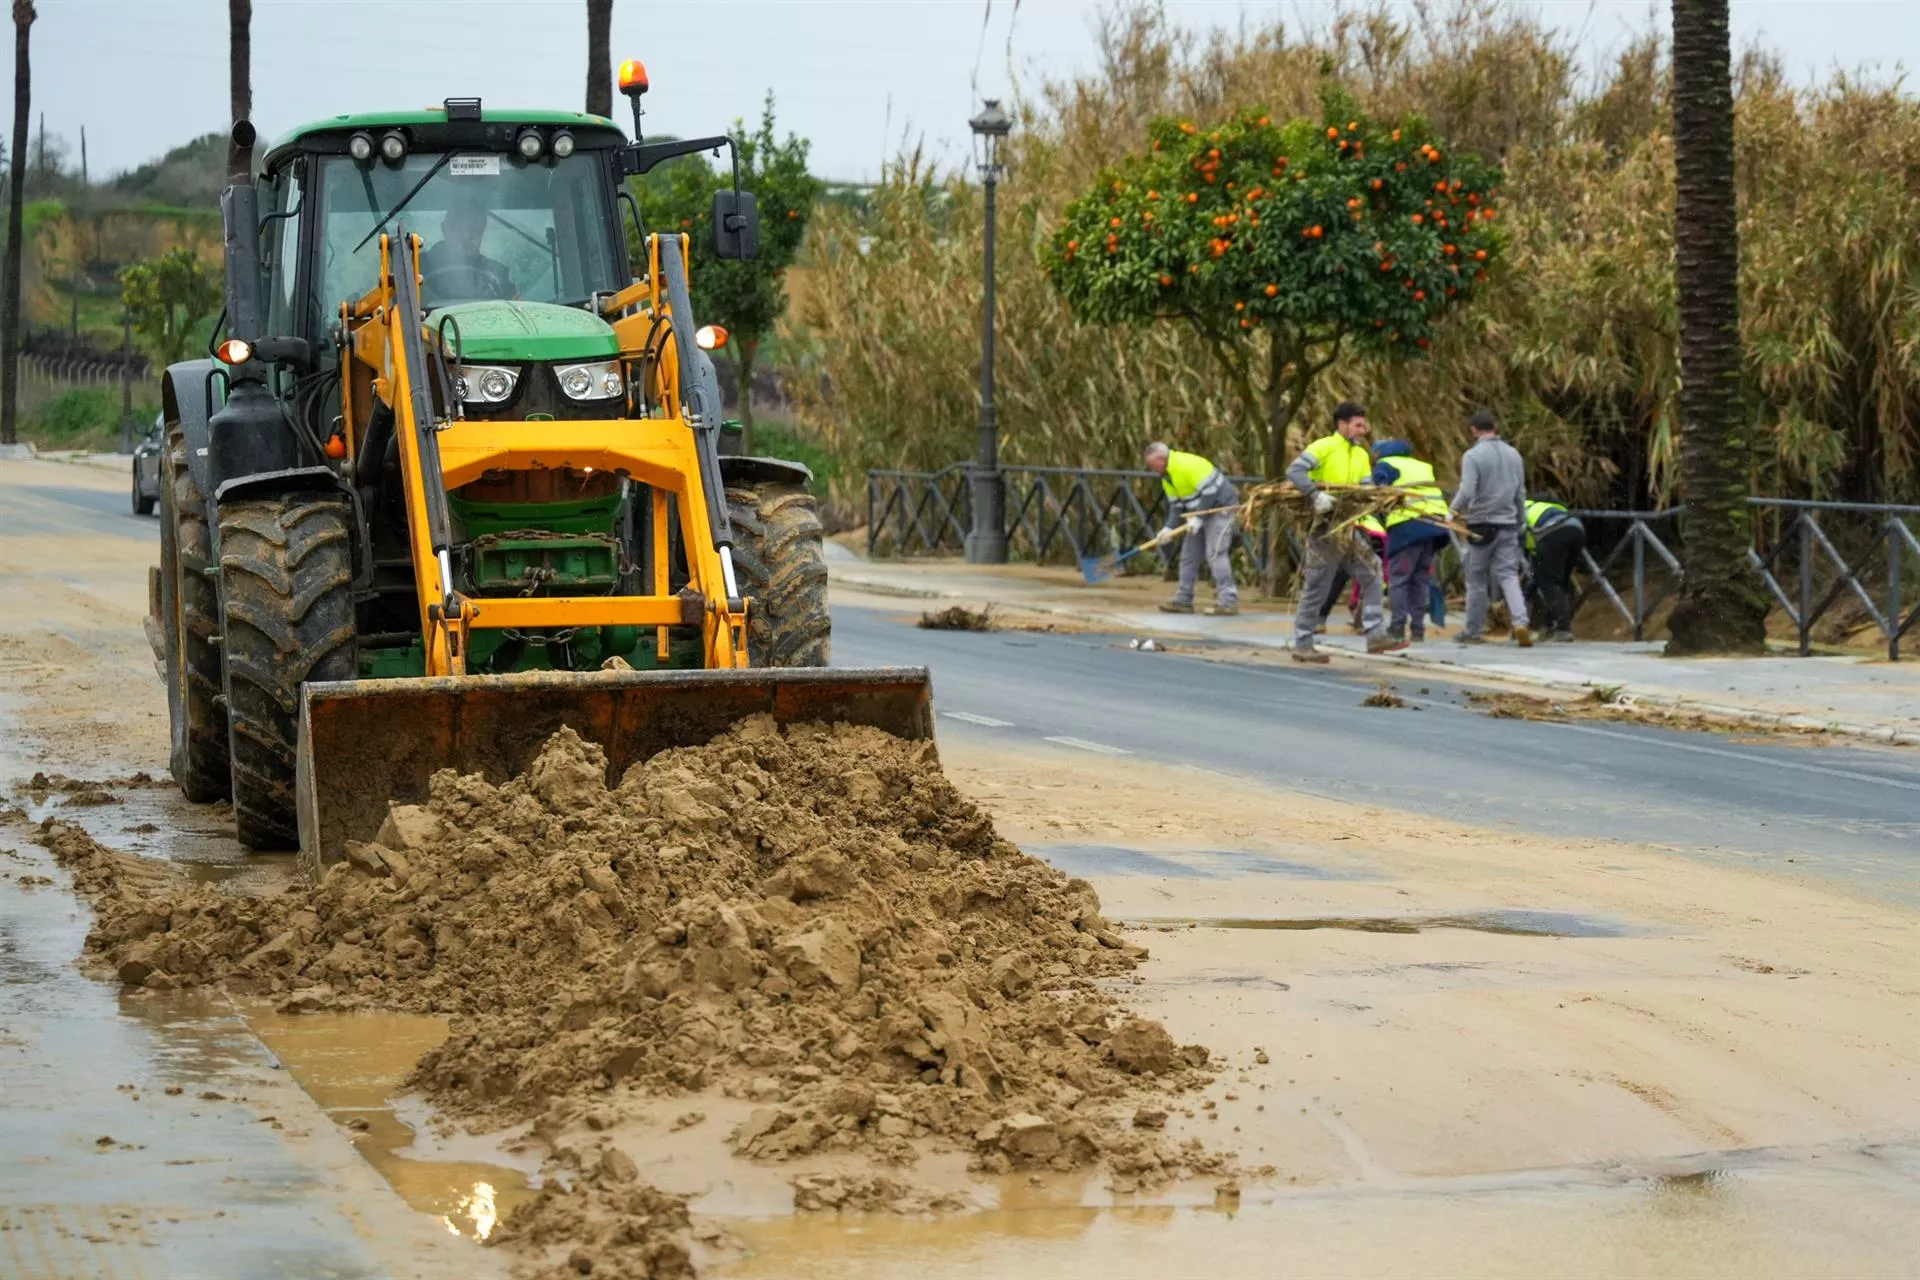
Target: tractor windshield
x,y
493,226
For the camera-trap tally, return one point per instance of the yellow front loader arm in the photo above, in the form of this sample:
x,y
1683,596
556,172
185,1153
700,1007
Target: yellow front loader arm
x,y
440,454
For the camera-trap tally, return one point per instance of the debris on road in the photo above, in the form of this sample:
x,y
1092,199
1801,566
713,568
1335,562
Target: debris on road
x,y
1384,696
958,618
1611,703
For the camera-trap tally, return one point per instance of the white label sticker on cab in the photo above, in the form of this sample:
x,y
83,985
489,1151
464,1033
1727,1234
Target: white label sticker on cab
x,y
474,166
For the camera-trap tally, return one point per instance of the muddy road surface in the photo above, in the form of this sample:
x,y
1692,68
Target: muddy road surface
x,y
1485,997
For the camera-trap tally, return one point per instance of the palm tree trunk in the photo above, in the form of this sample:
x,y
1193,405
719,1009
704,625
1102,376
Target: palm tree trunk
x,y
599,58
240,82
1720,609
17,183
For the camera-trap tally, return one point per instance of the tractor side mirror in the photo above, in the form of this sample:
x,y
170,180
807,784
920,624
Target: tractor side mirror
x,y
736,225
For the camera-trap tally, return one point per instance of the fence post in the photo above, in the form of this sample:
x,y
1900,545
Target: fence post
x,y
126,381
1639,582
871,538
1894,529
1805,524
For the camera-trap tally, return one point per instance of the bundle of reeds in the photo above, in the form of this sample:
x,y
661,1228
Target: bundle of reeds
x,y
1352,503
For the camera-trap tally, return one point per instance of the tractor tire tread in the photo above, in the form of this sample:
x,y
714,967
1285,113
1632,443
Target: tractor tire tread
x,y
780,563
199,758
286,574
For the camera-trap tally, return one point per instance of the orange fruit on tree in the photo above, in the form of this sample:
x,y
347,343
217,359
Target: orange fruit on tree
x,y
1419,295
1418,219
1113,222
1273,290
1479,255
1165,281
1377,184
1333,131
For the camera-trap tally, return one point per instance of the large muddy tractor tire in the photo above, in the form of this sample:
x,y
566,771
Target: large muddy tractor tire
x,y
286,591
780,564
188,623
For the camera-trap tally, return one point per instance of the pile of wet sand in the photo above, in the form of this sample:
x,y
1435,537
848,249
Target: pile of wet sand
x,y
810,917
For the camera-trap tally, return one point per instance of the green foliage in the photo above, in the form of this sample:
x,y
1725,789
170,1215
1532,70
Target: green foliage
x,y
191,174
1571,339
1347,227
85,418
777,441
747,297
168,297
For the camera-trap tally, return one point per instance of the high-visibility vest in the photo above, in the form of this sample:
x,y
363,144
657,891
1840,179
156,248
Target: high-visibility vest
x,y
1551,513
1337,460
1411,473
1186,475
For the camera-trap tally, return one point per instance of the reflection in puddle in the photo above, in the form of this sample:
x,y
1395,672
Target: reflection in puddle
x,y
352,1064
1522,924
1795,1218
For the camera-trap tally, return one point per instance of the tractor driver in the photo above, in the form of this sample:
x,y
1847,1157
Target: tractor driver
x,y
455,268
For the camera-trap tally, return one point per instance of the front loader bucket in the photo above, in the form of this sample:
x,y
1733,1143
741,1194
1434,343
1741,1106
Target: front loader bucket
x,y
367,743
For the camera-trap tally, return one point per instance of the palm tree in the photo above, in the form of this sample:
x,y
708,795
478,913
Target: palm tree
x,y
1720,609
10,304
599,58
240,81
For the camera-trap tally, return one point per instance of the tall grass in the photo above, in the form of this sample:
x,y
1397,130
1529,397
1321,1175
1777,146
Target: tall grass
x,y
1575,344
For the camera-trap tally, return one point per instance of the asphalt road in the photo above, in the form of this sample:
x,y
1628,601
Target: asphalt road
x,y
1845,814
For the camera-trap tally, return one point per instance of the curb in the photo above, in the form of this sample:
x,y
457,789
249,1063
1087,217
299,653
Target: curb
x,y
1782,719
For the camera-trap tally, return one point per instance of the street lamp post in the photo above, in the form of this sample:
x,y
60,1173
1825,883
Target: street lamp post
x,y
987,539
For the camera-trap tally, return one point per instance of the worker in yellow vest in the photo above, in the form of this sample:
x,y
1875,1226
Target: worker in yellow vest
x,y
1414,540
1555,540
1339,459
1200,496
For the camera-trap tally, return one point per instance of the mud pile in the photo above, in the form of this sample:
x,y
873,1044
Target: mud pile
x,y
812,918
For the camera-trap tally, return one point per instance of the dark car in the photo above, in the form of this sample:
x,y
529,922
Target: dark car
x,y
146,469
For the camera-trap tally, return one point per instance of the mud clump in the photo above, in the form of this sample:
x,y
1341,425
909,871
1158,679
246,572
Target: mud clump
x,y
809,918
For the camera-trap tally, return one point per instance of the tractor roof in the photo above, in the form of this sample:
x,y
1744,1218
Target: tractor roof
x,y
427,126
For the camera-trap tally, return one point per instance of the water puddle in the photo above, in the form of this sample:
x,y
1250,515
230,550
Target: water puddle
x,y
1798,1218
352,1064
1195,864
1519,924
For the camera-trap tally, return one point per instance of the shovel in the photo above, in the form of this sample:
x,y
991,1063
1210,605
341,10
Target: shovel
x,y
1099,568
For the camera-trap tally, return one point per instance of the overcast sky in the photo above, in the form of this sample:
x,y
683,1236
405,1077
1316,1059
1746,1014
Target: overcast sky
x,y
855,76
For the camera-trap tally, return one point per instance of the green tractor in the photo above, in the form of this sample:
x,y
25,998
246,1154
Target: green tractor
x,y
455,476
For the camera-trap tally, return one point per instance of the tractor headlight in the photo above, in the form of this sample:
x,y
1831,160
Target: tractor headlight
x,y
602,380
484,383
563,144
360,147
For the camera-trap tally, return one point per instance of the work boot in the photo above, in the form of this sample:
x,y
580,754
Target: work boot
x,y
1310,655
1176,606
1419,637
1523,637
1470,639
1561,637
1223,611
1386,642
1397,631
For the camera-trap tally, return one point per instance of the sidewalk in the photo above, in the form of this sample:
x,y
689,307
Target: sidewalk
x,y
1862,696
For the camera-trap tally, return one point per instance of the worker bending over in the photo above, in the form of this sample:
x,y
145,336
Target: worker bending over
x,y
1555,539
1200,496
1338,459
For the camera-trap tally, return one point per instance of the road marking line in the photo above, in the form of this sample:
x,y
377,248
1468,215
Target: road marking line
x,y
1848,774
1100,747
970,718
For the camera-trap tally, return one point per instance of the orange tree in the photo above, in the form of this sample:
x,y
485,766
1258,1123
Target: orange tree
x,y
1282,245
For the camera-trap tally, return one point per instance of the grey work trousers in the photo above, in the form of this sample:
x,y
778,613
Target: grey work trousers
x,y
1494,561
1214,542
1325,558
1409,571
